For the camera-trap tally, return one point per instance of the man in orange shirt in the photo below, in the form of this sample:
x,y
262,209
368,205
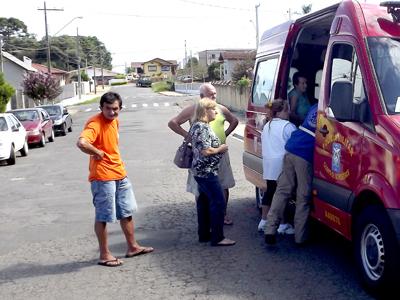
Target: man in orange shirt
x,y
112,191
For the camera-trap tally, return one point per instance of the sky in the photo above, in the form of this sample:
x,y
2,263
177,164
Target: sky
x,y
138,31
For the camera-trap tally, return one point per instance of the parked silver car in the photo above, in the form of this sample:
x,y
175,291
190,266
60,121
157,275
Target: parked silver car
x,y
62,120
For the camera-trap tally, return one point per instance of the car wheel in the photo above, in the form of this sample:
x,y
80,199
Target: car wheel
x,y
24,151
376,250
42,142
70,128
259,196
64,129
51,137
11,160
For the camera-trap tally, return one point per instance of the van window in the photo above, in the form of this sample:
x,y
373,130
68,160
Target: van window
x,y
345,66
385,54
264,81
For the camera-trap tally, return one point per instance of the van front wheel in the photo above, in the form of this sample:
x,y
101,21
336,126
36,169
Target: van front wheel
x,y
375,249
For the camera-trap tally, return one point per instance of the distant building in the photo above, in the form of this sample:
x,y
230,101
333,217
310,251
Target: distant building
x,y
99,74
14,70
207,57
61,75
231,58
157,66
137,67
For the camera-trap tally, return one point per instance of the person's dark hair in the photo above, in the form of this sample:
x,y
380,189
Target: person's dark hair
x,y
296,77
110,98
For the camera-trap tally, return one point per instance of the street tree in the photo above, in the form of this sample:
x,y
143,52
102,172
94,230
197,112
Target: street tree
x,y
12,27
6,91
214,71
306,8
41,87
242,69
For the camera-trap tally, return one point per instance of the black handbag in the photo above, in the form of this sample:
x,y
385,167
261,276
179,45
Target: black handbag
x,y
184,155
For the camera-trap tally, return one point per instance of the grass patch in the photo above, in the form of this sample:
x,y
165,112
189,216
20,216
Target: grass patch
x,y
162,86
90,101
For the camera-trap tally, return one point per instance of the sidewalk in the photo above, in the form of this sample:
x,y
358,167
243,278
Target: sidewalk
x,y
75,100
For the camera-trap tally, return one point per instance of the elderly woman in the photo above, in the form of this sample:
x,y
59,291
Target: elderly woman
x,y
298,100
207,152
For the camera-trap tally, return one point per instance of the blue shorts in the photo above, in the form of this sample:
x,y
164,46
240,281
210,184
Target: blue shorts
x,y
113,200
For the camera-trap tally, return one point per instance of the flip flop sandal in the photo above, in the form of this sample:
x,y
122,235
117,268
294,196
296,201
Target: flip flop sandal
x,y
110,263
142,251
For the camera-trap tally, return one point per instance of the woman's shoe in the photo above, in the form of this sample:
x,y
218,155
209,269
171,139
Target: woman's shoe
x,y
262,225
226,242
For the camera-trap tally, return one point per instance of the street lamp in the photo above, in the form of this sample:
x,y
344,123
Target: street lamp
x,y
80,17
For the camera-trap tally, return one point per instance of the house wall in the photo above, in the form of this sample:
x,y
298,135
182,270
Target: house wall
x,y
232,96
229,66
207,57
157,68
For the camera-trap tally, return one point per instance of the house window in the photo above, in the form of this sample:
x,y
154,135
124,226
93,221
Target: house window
x,y
165,68
152,68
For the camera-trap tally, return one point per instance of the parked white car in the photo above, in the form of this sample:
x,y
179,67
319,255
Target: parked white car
x,y
13,138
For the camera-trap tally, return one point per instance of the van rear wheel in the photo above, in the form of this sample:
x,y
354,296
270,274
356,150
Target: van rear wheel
x,y
376,249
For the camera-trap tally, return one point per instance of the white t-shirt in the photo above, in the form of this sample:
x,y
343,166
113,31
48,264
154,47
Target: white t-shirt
x,y
274,136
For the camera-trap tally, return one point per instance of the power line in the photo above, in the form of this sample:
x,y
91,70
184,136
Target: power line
x,y
216,6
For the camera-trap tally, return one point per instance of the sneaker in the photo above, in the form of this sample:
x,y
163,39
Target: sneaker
x,y
282,228
262,225
289,230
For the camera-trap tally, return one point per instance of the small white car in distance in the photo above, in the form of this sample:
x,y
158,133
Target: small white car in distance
x,y
12,138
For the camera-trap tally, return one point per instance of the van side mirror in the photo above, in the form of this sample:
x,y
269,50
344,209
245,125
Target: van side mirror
x,y
341,102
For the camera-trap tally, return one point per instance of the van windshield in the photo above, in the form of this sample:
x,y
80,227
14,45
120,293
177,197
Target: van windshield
x,y
385,54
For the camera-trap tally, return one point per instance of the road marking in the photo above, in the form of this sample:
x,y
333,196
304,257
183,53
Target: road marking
x,y
144,104
155,104
134,105
88,109
17,179
166,104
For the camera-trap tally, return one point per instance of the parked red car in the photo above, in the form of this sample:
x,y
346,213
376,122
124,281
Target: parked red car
x,y
37,123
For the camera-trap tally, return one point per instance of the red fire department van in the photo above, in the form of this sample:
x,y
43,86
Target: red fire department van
x,y
350,54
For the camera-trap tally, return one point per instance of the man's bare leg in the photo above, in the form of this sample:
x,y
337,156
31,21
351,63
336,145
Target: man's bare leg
x,y
227,220
128,227
100,229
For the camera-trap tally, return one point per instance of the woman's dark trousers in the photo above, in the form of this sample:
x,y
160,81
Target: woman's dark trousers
x,y
210,209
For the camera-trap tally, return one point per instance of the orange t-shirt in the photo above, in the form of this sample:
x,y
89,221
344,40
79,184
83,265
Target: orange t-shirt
x,y
103,134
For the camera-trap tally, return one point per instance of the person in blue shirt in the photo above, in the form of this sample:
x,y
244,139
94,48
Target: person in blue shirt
x,y
297,173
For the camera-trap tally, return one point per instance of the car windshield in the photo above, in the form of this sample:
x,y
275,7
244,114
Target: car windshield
x,y
3,124
385,54
26,115
53,110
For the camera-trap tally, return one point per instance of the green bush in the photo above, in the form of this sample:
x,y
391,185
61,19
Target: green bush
x,y
162,86
243,82
119,83
120,76
6,91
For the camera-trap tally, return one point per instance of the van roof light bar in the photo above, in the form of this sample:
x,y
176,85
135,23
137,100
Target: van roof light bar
x,y
393,8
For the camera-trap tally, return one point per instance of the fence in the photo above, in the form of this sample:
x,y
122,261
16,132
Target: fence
x,y
231,96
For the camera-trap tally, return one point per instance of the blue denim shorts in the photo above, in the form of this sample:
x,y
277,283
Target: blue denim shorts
x,y
113,200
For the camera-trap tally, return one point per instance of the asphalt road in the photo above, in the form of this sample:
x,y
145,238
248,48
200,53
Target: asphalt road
x,y
48,248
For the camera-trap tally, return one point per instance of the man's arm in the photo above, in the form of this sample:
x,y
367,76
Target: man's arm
x,y
88,148
231,119
184,116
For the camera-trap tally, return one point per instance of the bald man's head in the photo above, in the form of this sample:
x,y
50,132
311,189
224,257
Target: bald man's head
x,y
207,90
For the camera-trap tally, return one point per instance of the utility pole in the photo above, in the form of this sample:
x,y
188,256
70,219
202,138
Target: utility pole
x,y
191,65
101,65
1,54
79,64
94,78
257,34
47,33
184,65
